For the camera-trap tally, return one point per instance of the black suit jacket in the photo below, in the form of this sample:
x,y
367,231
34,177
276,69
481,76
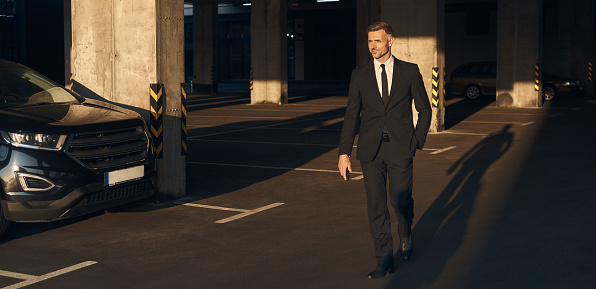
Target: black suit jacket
x,y
365,104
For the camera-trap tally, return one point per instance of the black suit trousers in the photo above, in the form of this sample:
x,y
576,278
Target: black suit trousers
x,y
377,173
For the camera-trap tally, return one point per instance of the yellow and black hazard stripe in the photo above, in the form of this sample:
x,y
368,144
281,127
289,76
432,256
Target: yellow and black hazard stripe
x,y
251,78
537,77
156,123
435,97
590,70
71,83
183,119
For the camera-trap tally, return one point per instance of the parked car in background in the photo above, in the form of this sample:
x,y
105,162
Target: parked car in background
x,y
475,79
62,155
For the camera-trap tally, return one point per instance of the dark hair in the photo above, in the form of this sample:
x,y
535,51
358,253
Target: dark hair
x,y
380,26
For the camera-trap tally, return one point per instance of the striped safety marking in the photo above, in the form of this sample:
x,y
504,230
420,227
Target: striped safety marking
x,y
251,78
435,98
156,123
590,70
537,77
183,119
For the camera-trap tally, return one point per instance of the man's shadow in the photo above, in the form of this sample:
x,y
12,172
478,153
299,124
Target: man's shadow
x,y
439,233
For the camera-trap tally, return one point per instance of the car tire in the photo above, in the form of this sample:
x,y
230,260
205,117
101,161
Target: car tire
x,y
549,92
473,91
3,223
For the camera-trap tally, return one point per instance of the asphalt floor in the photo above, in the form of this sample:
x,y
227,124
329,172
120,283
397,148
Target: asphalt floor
x,y
504,198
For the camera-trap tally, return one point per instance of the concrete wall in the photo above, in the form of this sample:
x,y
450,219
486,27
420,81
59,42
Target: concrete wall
x,y
568,38
204,44
367,12
269,56
419,38
113,55
118,49
461,47
518,51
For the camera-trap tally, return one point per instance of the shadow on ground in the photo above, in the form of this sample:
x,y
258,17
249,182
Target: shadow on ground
x,y
539,236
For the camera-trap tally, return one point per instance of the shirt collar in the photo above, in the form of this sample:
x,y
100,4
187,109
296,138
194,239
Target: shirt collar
x,y
388,64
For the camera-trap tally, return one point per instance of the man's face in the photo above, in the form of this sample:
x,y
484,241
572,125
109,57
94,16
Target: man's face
x,y
379,44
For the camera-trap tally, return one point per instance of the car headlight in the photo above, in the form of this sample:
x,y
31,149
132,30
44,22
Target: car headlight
x,y
40,141
571,83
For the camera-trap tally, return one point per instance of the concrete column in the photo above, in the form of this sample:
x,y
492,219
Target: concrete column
x,y
367,12
418,28
204,46
118,53
576,38
299,49
269,55
519,28
67,43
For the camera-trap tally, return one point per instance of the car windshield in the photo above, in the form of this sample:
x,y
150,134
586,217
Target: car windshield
x,y
25,87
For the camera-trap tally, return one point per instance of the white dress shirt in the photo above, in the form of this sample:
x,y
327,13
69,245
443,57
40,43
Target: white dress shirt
x,y
388,70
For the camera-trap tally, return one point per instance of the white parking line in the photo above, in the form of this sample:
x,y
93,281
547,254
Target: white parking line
x,y
32,279
259,127
438,151
262,142
236,217
459,133
267,167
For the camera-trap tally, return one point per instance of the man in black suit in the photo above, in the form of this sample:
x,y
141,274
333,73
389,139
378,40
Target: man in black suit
x,y
380,96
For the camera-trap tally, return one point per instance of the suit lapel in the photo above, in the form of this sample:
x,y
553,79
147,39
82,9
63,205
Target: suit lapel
x,y
395,79
371,78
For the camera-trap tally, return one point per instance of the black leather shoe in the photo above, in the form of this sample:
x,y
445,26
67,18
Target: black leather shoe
x,y
406,247
382,270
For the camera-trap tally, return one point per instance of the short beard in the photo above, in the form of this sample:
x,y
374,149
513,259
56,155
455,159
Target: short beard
x,y
381,56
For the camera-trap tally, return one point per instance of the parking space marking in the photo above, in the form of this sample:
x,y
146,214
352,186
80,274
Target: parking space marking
x,y
270,128
264,126
243,214
527,123
263,142
458,133
490,122
438,151
267,167
32,279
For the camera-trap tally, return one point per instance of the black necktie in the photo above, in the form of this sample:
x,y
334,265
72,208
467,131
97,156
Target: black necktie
x,y
384,85
384,91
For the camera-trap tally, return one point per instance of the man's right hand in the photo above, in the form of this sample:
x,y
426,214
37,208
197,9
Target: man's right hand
x,y
344,166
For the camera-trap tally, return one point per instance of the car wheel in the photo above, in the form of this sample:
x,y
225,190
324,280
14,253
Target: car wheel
x,y
3,223
549,92
473,91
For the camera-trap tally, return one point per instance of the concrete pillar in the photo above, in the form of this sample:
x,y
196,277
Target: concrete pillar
x,y
419,38
204,46
519,29
269,55
299,49
367,12
118,53
576,38
67,43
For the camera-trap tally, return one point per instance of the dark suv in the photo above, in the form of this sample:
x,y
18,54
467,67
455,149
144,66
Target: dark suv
x,y
62,155
475,79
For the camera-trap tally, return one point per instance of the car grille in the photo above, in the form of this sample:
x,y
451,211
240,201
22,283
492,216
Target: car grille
x,y
107,149
117,193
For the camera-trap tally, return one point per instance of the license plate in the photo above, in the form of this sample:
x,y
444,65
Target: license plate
x,y
124,175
